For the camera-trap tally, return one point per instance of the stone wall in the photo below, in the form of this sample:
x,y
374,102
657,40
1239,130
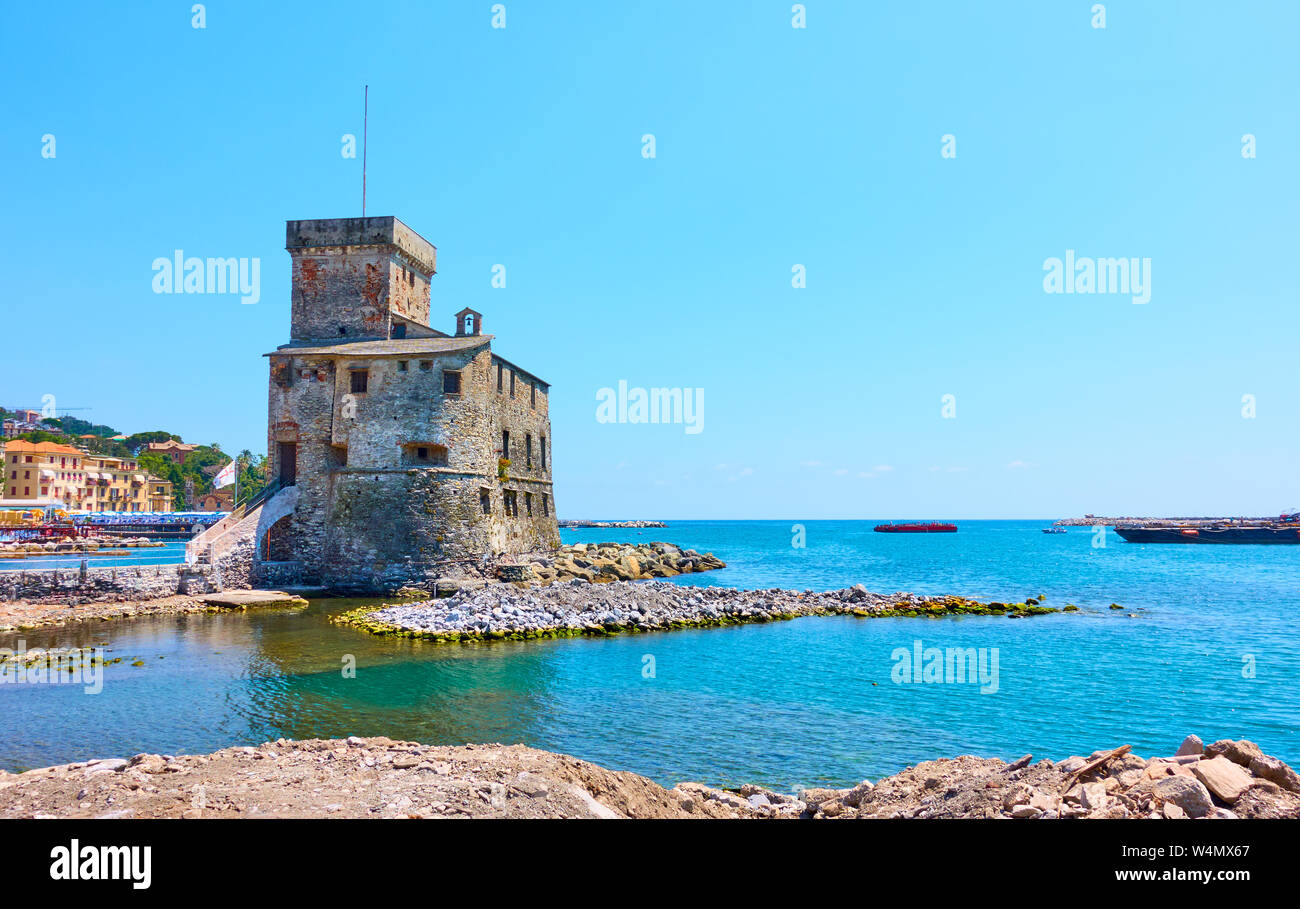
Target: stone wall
x,y
350,275
146,582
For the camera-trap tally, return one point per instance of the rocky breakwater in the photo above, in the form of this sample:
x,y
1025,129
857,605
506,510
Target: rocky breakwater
x,y
507,612
605,562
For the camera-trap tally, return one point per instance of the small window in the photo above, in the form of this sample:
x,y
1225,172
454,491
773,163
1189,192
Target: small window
x,y
401,366
424,454
485,500
500,374
360,379
505,443
528,503
546,504
450,382
426,365
543,452
511,501
528,449
532,386
512,383
399,330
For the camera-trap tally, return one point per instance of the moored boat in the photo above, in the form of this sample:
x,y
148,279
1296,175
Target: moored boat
x,y
1284,529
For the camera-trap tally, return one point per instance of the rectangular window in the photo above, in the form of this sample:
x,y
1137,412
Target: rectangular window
x,y
485,500
512,383
511,500
505,443
528,503
546,504
399,331
426,365
532,393
500,373
401,366
360,378
450,382
543,452
424,454
528,449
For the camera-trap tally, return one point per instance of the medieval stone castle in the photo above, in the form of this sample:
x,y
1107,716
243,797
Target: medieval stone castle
x,y
401,452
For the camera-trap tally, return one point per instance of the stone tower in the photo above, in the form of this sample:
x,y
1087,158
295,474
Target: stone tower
x,y
403,453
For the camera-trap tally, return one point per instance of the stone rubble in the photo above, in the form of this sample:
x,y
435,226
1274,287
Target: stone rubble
x,y
577,607
382,778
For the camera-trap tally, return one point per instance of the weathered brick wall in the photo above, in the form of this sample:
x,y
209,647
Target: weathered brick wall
x,y
350,274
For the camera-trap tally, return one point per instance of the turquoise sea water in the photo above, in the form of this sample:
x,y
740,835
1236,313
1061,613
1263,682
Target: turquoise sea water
x,y
790,703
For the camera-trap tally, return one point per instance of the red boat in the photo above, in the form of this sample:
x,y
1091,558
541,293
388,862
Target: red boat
x,y
928,527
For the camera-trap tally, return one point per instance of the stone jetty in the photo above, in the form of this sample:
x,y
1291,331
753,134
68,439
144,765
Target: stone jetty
x,y
383,778
577,607
581,525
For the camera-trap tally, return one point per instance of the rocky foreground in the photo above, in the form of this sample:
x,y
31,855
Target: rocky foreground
x,y
381,778
505,612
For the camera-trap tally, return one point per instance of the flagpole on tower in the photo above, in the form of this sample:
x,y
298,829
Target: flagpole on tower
x,y
365,127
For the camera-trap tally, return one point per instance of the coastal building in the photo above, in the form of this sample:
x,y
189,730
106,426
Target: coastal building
x,y
177,451
45,473
161,495
217,500
116,484
399,450
49,473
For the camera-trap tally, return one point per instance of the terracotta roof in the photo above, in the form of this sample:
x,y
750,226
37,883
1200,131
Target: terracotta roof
x,y
54,447
395,347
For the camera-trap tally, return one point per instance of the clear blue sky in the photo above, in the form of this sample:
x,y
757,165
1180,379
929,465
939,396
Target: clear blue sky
x,y
775,146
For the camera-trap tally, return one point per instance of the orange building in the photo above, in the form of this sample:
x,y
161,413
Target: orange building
x,y
45,472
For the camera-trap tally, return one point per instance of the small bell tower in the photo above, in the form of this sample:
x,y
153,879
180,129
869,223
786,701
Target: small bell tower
x,y
469,322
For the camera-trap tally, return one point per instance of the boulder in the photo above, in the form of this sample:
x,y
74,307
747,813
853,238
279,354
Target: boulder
x,y
1185,792
1275,771
1191,745
1241,752
1225,780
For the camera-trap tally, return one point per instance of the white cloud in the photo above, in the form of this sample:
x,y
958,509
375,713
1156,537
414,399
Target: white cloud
x,y
1020,465
811,464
